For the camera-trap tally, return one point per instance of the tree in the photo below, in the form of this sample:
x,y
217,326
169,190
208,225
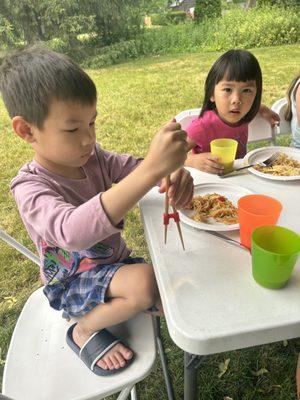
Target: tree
x,y
207,9
35,20
250,4
107,21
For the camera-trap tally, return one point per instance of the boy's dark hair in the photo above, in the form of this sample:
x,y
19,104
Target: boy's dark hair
x,y
30,79
288,112
234,65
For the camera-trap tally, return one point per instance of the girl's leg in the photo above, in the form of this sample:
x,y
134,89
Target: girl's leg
x,y
132,289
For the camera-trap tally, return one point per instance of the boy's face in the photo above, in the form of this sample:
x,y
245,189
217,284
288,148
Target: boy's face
x,y
233,99
67,138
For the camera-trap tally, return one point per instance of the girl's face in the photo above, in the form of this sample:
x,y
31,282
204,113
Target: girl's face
x,y
233,99
67,139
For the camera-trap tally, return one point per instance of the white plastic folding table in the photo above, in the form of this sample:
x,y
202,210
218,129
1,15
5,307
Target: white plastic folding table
x,y
211,302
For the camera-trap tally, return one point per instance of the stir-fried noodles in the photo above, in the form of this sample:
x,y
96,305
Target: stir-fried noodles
x,y
282,166
215,206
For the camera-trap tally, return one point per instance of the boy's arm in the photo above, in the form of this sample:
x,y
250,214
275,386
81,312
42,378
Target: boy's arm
x,y
47,215
167,153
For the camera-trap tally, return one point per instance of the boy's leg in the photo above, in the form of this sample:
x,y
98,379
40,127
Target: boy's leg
x,y
132,289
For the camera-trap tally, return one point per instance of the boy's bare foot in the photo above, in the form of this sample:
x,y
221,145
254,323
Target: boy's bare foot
x,y
115,358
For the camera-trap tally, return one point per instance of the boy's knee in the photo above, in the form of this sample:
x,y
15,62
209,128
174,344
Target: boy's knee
x,y
145,292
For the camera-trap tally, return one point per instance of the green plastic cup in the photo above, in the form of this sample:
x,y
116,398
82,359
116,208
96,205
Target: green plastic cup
x,y
225,149
274,254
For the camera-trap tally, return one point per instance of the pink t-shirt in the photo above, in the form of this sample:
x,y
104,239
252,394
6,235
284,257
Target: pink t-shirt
x,y
203,130
65,217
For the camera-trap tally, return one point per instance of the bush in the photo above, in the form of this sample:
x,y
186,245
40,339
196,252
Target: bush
x,y
114,54
257,27
254,28
281,3
168,18
207,9
58,45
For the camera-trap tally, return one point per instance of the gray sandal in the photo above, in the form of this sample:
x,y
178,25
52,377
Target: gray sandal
x,y
95,348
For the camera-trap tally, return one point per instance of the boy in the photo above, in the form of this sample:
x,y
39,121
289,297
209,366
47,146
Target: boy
x,y
73,196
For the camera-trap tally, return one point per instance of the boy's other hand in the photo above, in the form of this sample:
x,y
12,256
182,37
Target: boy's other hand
x,y
167,151
181,188
205,162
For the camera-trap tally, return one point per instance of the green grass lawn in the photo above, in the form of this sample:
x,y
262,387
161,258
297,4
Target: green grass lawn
x,y
135,99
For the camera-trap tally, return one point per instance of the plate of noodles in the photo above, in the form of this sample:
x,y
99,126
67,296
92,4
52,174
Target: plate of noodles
x,y
213,207
285,168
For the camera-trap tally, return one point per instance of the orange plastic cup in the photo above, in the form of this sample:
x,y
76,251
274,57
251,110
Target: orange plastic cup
x,y
256,210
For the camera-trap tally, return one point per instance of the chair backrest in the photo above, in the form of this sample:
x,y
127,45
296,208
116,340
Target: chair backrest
x,y
259,128
186,117
279,107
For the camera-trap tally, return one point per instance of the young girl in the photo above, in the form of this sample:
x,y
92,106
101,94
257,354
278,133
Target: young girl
x,y
233,89
72,198
293,110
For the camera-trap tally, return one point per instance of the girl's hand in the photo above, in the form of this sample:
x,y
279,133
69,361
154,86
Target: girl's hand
x,y
181,188
205,162
269,115
167,151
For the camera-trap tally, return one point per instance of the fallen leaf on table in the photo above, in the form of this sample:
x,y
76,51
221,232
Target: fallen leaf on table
x,y
223,366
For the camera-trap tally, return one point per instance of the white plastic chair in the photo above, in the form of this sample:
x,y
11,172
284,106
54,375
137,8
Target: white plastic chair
x,y
259,128
279,107
40,365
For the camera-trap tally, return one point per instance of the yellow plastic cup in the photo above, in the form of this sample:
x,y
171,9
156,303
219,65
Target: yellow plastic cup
x,y
225,149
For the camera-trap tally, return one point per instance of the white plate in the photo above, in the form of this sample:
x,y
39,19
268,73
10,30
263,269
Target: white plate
x,y
258,155
232,192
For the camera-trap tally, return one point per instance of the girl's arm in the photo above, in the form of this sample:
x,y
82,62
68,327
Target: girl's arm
x,y
205,162
269,115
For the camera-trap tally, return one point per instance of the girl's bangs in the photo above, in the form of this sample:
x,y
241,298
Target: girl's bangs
x,y
239,72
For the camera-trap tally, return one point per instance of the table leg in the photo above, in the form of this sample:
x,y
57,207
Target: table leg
x,y
190,377
163,359
191,364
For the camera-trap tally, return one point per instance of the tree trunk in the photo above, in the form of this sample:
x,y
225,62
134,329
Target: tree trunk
x,y
250,4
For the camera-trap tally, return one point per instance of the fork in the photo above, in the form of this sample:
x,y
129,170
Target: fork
x,y
266,163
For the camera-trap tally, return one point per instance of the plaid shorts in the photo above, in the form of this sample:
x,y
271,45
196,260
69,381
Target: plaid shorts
x,y
82,292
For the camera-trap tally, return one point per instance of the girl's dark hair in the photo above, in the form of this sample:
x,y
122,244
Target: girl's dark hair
x,y
288,111
234,65
32,78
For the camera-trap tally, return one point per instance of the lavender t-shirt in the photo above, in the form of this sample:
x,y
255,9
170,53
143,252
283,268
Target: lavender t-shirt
x,y
65,218
209,126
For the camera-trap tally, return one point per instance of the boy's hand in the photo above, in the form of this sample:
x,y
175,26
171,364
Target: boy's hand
x,y
205,162
181,188
269,115
167,150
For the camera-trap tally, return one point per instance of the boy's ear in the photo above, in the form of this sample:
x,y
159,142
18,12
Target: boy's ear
x,y
22,129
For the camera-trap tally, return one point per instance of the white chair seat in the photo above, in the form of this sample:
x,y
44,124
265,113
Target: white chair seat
x,y
41,366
